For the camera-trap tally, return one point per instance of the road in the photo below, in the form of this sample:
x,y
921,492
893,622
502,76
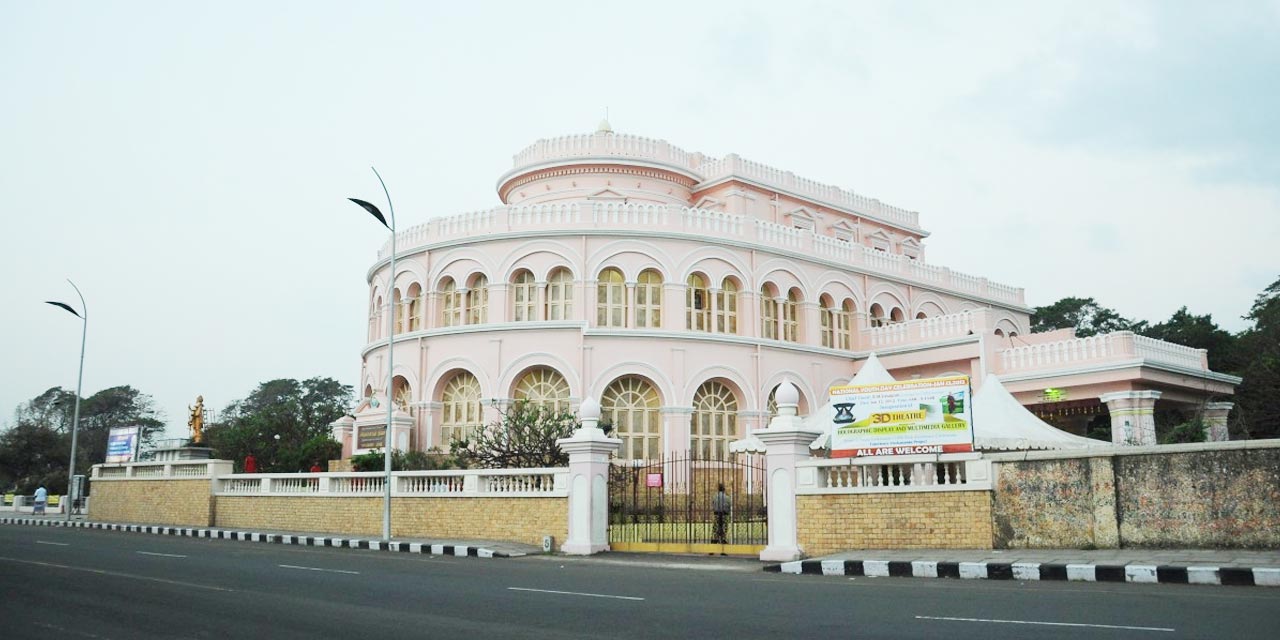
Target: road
x,y
73,583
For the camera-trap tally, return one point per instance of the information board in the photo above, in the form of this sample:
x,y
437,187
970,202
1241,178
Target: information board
x,y
932,415
122,444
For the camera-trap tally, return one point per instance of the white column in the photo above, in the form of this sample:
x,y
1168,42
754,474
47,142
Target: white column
x,y
787,443
1133,420
589,451
1215,421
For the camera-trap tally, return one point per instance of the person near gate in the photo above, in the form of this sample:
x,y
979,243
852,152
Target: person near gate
x,y
720,506
250,464
42,498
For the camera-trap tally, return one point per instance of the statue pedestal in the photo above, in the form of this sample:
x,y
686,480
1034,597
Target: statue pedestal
x,y
181,453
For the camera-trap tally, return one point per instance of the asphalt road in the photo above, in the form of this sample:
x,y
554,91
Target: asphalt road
x,y
73,583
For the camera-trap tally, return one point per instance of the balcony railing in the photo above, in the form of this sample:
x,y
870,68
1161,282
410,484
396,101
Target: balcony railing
x,y
695,222
924,330
1111,347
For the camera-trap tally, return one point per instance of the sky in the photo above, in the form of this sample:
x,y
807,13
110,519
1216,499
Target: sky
x,y
187,164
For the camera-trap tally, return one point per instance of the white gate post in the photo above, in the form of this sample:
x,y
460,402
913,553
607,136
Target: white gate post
x,y
786,443
589,451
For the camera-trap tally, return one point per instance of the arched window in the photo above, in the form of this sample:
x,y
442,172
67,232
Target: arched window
x,y
415,307
524,295
611,304
844,325
631,405
727,307
375,320
402,393
999,332
714,423
649,299
478,301
827,321
461,416
921,315
697,305
790,311
545,387
451,309
560,295
877,315
768,314
398,307
896,315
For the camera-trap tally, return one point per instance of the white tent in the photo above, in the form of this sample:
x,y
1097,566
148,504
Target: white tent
x,y
872,372
1000,422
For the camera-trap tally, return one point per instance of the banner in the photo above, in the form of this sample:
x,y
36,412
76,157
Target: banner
x,y
122,444
933,415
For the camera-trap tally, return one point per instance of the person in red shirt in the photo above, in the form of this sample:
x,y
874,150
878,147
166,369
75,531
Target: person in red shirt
x,y
315,468
250,464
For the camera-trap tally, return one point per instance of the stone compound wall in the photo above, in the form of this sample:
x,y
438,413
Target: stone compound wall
x,y
523,520
168,501
919,520
1198,495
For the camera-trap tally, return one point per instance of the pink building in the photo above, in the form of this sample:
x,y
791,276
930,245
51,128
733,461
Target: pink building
x,y
679,290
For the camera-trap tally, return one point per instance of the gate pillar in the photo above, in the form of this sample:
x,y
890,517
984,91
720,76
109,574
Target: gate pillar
x,y
786,443
589,451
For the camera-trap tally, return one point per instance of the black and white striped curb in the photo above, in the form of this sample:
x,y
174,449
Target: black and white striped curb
x,y
278,538
1139,573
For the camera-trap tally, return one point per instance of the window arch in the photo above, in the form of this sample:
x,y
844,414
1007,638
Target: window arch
x,y
727,307
560,295
415,307
790,316
611,304
451,309
461,414
827,321
768,313
397,307
545,387
844,325
402,394
896,315
631,405
999,332
697,304
524,293
876,315
649,299
714,423
375,320
478,301
921,315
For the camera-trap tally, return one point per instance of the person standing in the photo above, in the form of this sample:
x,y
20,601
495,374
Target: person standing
x,y
250,464
42,499
720,505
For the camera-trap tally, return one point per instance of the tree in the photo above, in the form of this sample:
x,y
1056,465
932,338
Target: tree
x,y
284,423
33,454
524,438
1258,396
1199,332
1084,315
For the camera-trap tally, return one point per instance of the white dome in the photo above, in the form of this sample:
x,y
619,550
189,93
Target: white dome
x,y
589,410
787,394
604,127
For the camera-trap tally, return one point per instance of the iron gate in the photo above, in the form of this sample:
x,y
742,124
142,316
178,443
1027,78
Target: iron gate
x,y
671,505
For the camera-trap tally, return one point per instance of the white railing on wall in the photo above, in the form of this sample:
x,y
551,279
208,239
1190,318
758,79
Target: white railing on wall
x,y
901,474
1110,347
924,330
585,215
494,483
176,469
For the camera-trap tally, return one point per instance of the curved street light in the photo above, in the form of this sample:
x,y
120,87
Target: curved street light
x,y
386,450
75,422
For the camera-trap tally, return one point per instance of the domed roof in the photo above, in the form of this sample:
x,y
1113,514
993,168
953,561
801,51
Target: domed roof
x,y
604,127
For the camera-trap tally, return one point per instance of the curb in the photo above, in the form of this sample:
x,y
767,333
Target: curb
x,y
276,538
1137,573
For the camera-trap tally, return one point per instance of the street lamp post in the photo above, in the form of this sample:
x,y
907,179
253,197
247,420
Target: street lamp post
x,y
386,488
75,422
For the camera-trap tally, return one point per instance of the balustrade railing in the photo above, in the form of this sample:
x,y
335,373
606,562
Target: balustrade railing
x,y
690,220
513,483
1110,347
945,472
922,330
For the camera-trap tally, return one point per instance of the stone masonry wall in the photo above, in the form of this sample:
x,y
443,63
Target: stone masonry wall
x,y
170,502
523,520
1066,503
927,520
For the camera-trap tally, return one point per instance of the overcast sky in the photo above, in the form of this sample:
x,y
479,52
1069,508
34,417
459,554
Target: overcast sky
x,y
187,165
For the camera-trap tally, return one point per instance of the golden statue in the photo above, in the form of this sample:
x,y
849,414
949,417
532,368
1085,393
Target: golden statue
x,y
197,420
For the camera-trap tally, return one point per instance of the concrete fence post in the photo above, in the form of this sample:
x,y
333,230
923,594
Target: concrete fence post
x,y
786,443
589,451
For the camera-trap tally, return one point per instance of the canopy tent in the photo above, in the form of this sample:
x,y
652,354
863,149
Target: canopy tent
x,y
1000,422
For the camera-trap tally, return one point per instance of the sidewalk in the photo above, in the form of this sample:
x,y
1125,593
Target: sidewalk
x,y
1244,567
433,546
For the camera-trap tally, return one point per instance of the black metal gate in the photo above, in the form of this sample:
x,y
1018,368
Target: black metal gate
x,y
672,505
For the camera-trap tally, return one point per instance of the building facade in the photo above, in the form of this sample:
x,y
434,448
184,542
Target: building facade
x,y
679,290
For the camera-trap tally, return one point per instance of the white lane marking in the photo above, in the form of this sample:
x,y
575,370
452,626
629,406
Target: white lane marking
x,y
117,574
1048,624
57,544
162,555
294,566
575,593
